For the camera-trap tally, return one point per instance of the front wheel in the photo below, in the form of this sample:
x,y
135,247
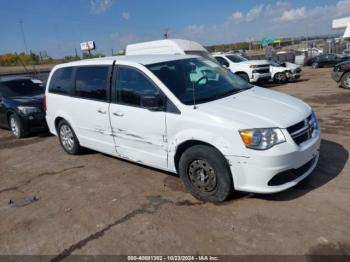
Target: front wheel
x,y
17,127
280,78
68,139
206,174
345,81
244,76
315,65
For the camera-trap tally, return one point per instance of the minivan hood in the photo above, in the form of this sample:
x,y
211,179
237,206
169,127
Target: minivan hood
x,y
258,108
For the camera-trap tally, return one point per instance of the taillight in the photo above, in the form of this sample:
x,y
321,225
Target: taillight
x,y
44,103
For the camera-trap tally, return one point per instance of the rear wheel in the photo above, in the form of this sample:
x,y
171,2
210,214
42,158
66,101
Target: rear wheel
x,y
206,174
68,139
244,76
280,78
345,80
17,127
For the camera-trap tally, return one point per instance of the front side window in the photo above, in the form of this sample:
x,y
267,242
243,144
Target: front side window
x,y
91,82
61,81
133,87
222,61
197,80
236,58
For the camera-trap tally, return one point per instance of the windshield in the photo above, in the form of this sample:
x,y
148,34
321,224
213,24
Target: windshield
x,y
198,80
21,88
204,54
236,58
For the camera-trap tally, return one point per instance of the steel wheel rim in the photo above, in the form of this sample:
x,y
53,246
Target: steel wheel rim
x,y
67,137
202,176
280,78
347,82
14,126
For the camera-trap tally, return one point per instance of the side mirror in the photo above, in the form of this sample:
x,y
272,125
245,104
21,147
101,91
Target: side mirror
x,y
152,102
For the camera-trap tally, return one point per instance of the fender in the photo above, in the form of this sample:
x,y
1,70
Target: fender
x,y
219,142
65,116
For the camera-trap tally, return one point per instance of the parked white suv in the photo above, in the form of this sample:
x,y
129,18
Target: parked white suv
x,y
187,115
253,71
283,72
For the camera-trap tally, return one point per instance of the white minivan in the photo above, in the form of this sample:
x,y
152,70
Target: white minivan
x,y
187,115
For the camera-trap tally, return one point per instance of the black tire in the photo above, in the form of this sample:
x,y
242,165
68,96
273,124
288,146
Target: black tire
x,y
280,78
244,76
206,173
16,126
315,65
68,139
345,81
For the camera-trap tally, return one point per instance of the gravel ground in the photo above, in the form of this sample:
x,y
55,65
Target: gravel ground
x,y
96,204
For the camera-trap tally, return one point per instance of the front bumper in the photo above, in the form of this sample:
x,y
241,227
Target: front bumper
x,y
255,173
34,122
337,76
294,76
260,78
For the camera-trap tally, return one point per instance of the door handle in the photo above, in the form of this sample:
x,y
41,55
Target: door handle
x,y
101,111
118,114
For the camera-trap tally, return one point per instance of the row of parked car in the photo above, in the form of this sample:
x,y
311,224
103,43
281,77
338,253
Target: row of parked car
x,y
260,71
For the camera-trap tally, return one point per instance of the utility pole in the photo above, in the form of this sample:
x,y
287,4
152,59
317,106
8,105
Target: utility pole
x,y
166,33
112,51
23,35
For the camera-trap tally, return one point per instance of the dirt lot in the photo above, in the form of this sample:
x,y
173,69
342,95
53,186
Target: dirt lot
x,y
96,204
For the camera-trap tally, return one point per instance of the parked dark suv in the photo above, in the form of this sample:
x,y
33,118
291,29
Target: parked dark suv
x,y
21,106
341,74
326,60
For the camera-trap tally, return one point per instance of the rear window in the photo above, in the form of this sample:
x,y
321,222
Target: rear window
x,y
91,82
61,81
21,88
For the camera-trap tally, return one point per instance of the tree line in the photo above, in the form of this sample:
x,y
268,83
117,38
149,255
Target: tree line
x,y
14,59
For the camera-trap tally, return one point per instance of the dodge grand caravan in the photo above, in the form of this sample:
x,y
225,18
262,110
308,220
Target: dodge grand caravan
x,y
187,115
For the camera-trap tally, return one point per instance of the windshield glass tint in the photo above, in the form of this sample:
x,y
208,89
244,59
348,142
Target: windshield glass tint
x,y
204,54
21,88
198,78
236,58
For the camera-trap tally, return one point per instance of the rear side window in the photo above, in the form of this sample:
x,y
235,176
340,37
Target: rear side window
x,y
222,61
91,82
132,85
61,81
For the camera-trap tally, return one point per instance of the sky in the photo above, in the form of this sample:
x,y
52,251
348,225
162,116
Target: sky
x,y
58,26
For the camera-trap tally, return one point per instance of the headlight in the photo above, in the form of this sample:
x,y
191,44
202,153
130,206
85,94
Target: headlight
x,y
314,122
262,138
27,110
253,66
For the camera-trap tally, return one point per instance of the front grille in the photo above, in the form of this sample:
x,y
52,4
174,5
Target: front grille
x,y
260,66
263,71
292,174
302,131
